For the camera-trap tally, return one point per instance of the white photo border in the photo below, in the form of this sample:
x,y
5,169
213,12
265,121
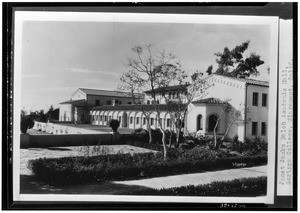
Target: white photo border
x,y
21,16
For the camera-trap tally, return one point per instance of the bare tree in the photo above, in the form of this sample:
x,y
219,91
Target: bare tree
x,y
133,83
151,72
233,114
185,92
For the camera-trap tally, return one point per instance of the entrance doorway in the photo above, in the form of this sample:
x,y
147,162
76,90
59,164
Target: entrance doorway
x,y
212,121
124,119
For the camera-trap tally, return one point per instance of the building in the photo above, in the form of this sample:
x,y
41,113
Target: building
x,y
76,109
247,96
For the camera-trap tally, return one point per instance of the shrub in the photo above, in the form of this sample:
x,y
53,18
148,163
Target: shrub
x,y
70,170
156,135
250,146
114,124
26,123
198,139
246,187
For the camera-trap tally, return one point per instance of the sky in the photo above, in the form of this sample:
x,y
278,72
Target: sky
x,y
60,57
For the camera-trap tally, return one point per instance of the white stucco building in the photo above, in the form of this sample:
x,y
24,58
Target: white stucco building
x,y
76,109
247,96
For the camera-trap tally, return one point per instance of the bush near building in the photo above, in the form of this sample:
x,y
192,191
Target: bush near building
x,y
248,147
246,187
72,170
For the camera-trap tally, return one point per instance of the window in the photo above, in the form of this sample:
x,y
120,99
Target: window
x,y
101,117
151,121
148,102
108,102
264,100
137,120
105,118
160,121
131,120
157,102
255,99
263,128
97,102
144,121
120,118
168,122
254,128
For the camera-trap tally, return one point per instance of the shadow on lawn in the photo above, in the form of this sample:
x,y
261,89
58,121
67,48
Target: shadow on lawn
x,y
30,185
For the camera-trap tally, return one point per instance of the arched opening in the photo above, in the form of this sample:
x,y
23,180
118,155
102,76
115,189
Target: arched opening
x,y
212,120
199,122
124,119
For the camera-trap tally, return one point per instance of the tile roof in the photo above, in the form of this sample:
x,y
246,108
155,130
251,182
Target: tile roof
x,y
246,80
73,101
106,93
148,107
208,101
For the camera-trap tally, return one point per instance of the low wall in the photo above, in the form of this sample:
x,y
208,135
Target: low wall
x,y
61,135
58,129
40,141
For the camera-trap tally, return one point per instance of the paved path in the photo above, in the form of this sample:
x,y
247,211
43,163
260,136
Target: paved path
x,y
197,178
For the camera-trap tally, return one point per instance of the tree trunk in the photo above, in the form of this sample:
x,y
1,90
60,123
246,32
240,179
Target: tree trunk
x,y
164,144
164,139
170,139
177,136
215,134
227,130
150,133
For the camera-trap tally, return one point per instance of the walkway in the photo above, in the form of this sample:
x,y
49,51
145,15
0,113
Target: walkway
x,y
198,178
29,185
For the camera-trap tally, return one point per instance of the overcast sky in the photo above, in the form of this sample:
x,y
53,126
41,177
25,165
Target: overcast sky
x,y
59,57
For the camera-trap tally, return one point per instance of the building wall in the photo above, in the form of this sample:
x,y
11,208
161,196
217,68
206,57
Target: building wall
x,y
258,113
66,112
227,89
193,112
78,95
161,99
103,99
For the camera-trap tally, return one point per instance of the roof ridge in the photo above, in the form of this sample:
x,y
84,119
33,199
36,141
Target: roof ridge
x,y
245,80
240,79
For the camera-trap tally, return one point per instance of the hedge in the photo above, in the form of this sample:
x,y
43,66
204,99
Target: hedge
x,y
69,170
245,187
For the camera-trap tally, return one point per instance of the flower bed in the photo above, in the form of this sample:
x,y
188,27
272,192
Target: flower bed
x,y
70,170
246,187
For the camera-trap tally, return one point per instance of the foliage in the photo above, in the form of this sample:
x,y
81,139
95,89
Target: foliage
x,y
26,123
245,187
114,124
41,116
250,146
232,62
125,166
